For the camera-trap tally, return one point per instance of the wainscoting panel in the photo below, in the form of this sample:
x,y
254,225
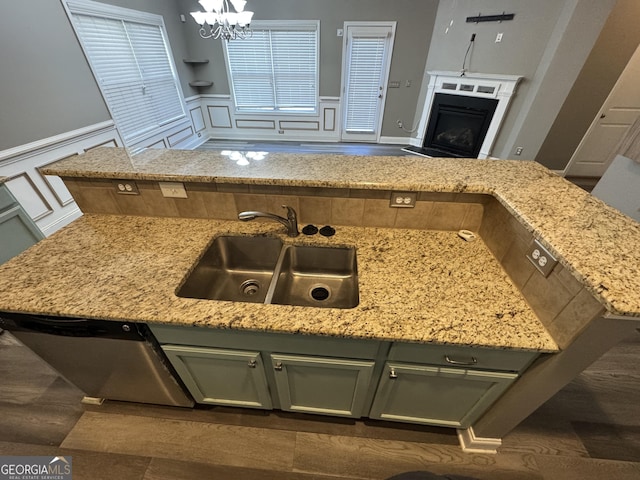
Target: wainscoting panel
x,y
197,118
45,198
224,123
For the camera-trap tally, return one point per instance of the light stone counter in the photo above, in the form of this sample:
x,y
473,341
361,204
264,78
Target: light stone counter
x,y
596,243
415,285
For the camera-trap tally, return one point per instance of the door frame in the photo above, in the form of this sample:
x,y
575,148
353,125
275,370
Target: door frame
x,y
344,76
599,115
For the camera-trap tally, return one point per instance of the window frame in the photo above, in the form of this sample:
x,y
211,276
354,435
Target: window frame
x,y
279,24
112,12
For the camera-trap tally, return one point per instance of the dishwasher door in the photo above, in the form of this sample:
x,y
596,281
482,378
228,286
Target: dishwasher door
x,y
104,359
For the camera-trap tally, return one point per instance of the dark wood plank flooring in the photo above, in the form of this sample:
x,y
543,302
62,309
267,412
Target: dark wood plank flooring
x,y
589,430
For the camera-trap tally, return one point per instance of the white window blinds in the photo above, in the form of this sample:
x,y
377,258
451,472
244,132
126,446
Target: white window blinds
x,y
131,63
276,70
366,62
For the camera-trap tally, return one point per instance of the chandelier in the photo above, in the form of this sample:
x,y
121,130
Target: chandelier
x,y
222,23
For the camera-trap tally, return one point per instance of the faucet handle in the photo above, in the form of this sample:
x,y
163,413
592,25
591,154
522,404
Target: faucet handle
x,y
292,217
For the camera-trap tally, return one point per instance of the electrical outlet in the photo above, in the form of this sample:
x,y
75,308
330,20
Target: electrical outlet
x,y
541,258
519,150
499,37
173,189
126,187
403,199
399,123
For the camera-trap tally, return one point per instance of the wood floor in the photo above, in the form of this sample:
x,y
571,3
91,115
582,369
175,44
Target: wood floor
x,y
589,430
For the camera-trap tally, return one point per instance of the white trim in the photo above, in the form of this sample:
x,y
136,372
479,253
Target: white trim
x,y
345,74
472,444
21,152
504,87
395,140
60,222
88,7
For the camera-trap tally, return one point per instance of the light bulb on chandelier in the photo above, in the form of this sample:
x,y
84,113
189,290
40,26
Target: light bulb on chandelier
x,y
218,22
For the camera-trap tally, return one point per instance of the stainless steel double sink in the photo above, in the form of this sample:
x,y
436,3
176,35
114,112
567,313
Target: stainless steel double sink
x,y
265,270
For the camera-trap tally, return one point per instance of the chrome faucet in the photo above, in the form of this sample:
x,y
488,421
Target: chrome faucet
x,y
291,222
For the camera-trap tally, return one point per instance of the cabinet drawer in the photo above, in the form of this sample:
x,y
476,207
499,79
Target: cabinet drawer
x,y
465,357
6,199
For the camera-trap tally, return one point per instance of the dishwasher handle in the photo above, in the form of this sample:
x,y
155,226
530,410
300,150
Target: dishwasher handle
x,y
70,327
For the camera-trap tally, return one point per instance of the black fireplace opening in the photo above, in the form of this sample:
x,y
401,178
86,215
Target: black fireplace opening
x,y
457,126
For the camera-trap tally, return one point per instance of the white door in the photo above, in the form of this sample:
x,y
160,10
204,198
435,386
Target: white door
x,y
366,57
618,113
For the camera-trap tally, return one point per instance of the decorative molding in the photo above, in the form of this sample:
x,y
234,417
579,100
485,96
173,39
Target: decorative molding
x,y
329,124
20,152
198,121
62,220
51,182
19,193
298,125
482,85
217,117
162,143
472,444
171,137
260,124
108,143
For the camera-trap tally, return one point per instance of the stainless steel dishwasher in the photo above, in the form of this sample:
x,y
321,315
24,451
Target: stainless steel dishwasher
x,y
104,359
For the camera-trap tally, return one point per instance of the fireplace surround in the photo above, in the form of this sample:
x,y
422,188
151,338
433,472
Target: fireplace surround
x,y
462,115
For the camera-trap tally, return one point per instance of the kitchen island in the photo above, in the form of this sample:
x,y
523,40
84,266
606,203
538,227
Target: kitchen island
x,y
419,282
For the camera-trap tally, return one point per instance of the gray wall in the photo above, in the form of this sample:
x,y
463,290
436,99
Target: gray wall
x,y
46,86
546,43
414,29
616,44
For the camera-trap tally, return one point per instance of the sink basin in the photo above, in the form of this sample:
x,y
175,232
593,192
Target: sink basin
x,y
234,268
263,270
317,277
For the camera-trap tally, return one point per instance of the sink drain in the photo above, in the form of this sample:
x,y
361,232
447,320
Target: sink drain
x,y
320,293
250,287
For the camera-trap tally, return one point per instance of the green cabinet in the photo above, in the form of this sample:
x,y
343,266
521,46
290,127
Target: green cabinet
x,y
327,386
221,377
435,395
17,231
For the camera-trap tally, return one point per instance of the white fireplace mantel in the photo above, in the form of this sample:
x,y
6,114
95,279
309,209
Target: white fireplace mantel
x,y
483,85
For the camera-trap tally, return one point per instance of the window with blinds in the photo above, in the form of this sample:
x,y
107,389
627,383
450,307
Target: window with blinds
x,y
276,70
129,56
366,65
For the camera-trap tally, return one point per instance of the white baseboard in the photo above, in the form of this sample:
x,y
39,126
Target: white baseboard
x,y
472,444
396,140
62,221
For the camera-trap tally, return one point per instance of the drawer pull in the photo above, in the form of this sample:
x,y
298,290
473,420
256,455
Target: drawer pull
x,y
278,366
252,363
473,361
392,373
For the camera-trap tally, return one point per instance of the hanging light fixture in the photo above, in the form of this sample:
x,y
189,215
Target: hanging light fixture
x,y
222,23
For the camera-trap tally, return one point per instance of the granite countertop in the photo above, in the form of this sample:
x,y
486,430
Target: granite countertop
x,y
599,245
415,285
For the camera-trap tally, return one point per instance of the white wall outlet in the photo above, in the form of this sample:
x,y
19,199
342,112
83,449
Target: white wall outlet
x,y
403,199
519,150
173,189
541,258
499,37
126,187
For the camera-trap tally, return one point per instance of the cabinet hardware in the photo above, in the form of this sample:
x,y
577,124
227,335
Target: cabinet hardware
x,y
278,366
392,373
473,361
252,363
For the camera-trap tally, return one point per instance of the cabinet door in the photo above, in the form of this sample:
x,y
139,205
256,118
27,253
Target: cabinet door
x,y
17,233
326,386
432,395
221,377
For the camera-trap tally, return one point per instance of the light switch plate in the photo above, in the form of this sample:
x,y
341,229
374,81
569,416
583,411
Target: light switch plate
x,y
173,189
541,258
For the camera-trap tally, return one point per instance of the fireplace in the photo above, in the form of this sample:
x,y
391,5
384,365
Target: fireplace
x,y
457,125
462,114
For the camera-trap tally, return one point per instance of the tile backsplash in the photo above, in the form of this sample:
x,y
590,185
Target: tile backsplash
x,y
559,300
